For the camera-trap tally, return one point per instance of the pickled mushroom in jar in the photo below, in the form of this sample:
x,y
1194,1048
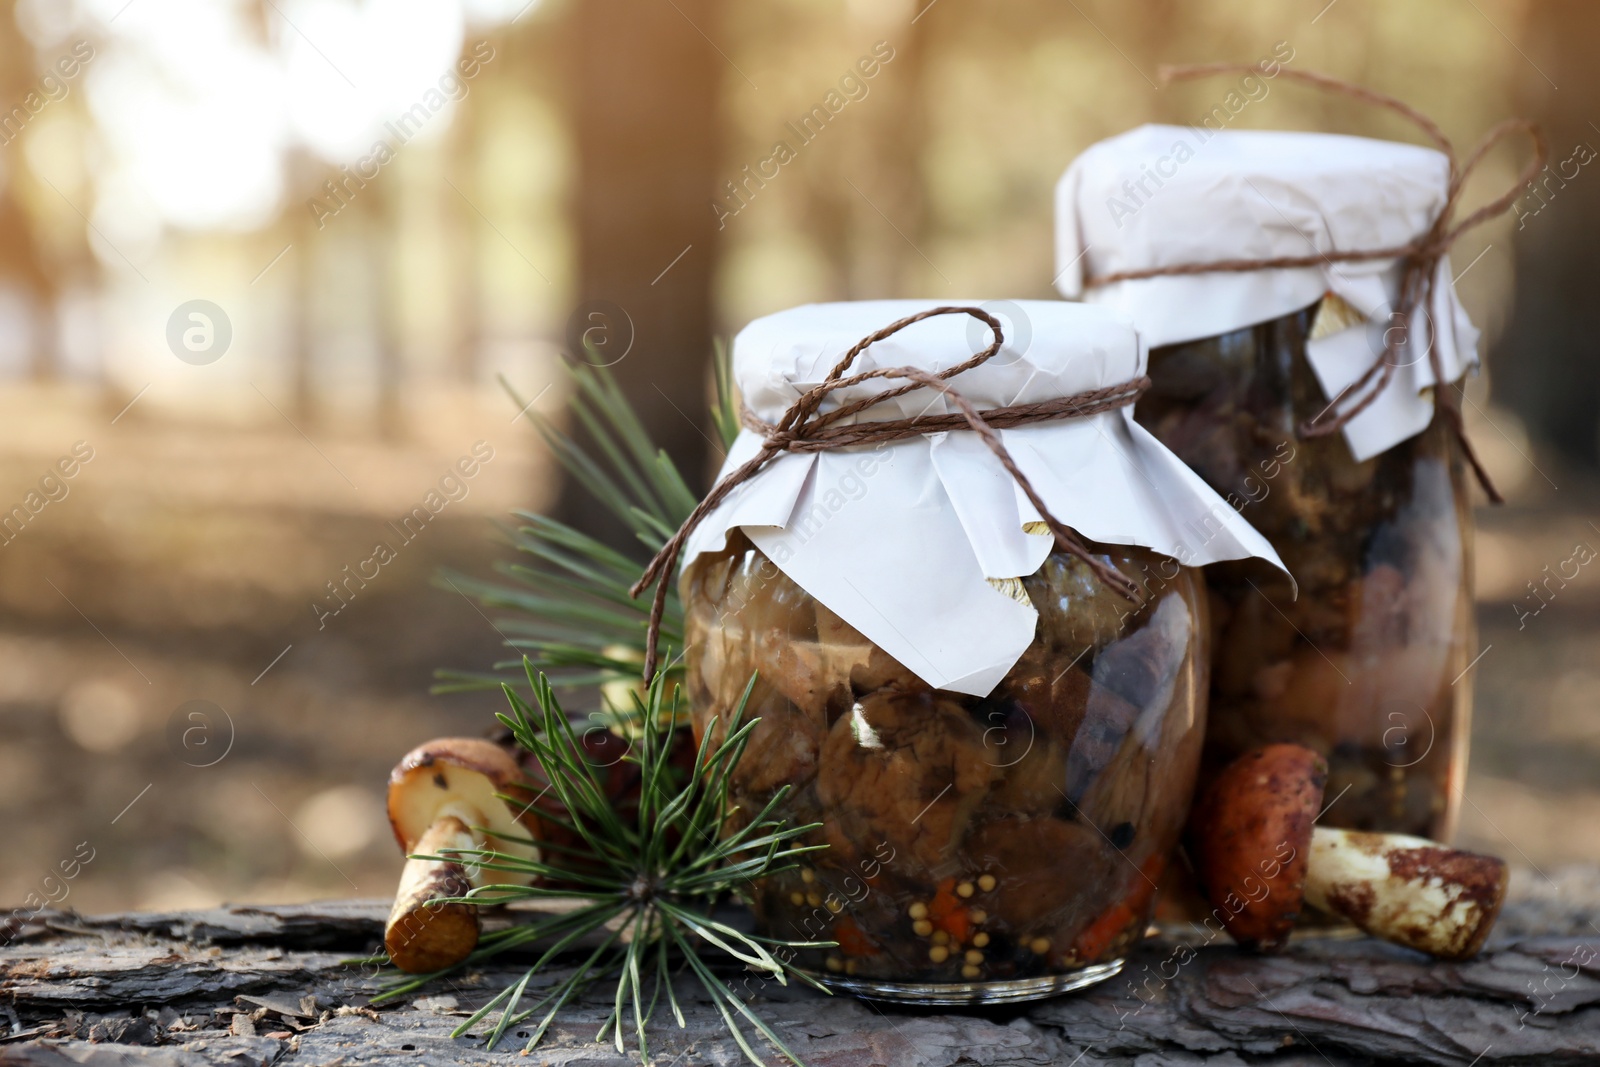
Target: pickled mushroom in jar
x,y
844,651
779,622
883,671
1078,613
771,636
908,768
1133,682
1030,726
1136,682
1035,858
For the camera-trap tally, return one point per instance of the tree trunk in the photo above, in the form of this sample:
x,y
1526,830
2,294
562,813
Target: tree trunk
x,y
645,117
303,288
383,217
1544,363
21,261
466,238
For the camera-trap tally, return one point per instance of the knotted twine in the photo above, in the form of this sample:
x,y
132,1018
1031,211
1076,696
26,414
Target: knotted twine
x,y
1420,257
804,428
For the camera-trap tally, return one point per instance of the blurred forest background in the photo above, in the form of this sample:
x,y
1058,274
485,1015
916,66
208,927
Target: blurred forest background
x,y
388,203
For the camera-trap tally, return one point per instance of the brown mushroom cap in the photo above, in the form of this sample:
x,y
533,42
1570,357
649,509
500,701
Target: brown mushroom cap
x,y
458,776
1250,838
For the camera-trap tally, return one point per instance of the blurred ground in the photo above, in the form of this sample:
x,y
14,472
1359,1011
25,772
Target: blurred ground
x,y
181,566
184,560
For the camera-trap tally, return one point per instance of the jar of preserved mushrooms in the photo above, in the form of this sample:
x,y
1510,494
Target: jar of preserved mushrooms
x,y
1366,665
1369,663
998,737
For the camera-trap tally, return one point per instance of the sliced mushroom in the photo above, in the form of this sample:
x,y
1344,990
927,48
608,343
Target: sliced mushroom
x,y
438,793
1260,859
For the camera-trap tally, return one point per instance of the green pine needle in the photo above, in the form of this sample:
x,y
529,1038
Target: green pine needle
x,y
725,412
571,611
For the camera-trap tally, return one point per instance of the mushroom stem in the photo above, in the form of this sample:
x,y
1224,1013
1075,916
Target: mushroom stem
x,y
422,935
1407,890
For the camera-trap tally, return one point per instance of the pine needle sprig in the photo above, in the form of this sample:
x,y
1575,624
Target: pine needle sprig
x,y
570,607
725,409
650,882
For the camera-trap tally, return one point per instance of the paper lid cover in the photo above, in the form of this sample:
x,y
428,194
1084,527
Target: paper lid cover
x,y
899,539
1162,196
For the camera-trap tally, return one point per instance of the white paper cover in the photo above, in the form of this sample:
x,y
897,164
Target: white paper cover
x,y
1160,196
899,538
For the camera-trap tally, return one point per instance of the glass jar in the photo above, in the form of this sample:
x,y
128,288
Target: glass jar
x,y
1366,666
980,849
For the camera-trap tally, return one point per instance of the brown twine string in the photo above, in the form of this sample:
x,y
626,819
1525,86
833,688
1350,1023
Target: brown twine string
x,y
803,429
1420,256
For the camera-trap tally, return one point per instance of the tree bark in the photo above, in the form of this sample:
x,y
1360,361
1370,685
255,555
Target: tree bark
x,y
277,985
466,238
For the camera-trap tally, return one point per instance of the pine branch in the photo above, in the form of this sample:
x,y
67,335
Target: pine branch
x,y
571,611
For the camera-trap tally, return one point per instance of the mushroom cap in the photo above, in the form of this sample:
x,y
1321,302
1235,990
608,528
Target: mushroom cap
x,y
1250,837
459,776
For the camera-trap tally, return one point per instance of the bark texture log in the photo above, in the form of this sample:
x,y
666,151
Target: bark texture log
x,y
275,985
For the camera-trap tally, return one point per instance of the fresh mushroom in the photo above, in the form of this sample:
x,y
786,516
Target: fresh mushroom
x,y
1260,859
1250,838
438,793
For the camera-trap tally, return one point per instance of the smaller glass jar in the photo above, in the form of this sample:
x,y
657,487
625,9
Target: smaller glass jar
x,y
1366,665
980,849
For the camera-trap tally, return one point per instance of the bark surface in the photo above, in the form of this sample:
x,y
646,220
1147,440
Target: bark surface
x,y
275,985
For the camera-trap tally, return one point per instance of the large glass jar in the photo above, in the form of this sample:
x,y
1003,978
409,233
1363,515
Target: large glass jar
x,y
980,849
1367,665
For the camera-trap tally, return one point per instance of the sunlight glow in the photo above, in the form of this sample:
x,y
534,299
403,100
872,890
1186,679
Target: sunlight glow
x,y
199,113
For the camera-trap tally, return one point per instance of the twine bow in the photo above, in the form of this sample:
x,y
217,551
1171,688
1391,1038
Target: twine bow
x,y
804,428
1420,256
